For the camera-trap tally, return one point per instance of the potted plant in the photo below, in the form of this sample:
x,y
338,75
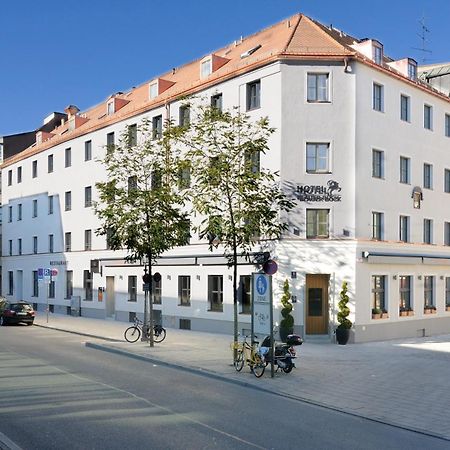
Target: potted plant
x,y
376,313
384,314
403,311
410,312
343,329
287,322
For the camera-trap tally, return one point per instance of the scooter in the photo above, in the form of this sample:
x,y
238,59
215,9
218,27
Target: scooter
x,y
285,353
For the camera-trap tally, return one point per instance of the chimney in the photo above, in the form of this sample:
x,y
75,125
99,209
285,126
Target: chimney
x,y
71,111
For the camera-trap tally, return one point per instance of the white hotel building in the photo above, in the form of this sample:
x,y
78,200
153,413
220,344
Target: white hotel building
x,y
363,144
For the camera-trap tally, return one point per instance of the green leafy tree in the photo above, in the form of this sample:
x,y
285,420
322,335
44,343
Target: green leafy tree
x,y
240,202
344,311
140,207
287,322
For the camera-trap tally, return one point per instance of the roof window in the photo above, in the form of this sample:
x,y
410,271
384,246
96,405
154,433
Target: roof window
x,y
158,86
210,64
250,51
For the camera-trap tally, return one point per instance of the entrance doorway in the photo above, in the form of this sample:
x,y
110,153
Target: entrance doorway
x,y
110,297
317,304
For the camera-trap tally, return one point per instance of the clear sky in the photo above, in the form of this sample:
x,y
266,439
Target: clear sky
x,y
56,53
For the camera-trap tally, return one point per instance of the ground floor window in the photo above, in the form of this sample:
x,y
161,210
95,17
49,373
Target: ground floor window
x,y
428,291
87,284
405,292
132,288
379,292
215,292
184,290
157,292
244,294
10,282
51,289
69,284
35,284
447,291
317,223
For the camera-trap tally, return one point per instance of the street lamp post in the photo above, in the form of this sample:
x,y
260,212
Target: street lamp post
x,y
145,279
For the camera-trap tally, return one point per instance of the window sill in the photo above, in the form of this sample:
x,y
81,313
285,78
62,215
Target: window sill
x,y
184,304
429,311
215,310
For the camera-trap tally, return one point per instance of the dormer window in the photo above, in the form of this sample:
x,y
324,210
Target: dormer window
x,y
377,53
412,70
110,108
153,90
206,68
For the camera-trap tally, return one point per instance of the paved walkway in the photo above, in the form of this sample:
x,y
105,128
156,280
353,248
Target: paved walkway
x,y
405,382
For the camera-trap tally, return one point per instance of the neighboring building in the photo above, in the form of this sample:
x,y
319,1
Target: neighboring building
x,y
437,76
361,142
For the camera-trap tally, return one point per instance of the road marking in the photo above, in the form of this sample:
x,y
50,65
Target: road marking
x,y
7,444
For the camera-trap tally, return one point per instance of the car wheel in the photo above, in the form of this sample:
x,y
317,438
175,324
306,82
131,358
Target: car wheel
x,y
3,321
29,323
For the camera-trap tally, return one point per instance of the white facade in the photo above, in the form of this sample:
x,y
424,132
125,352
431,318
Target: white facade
x,y
360,138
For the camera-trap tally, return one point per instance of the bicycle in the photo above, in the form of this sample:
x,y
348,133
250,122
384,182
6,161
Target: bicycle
x,y
133,333
248,353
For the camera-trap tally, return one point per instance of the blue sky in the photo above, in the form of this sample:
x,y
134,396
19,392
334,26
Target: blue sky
x,y
56,53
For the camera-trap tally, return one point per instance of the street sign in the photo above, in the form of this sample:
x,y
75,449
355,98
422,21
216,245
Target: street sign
x,y
40,272
54,274
270,267
262,303
157,277
47,273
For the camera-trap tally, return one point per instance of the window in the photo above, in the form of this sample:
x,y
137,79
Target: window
x,y
132,135
110,108
379,292
68,241
427,231
253,95
377,164
417,197
184,175
10,213
19,211
404,169
427,117
157,292
377,54
216,102
88,196
405,292
206,68
132,288
10,282
404,229
87,284
68,157
19,246
69,283
50,243
35,244
184,290
34,169
19,174
185,113
447,291
35,286
412,70
405,113
50,204
50,163
87,240
68,200
377,225
252,161
35,208
110,142
428,291
244,294
446,233
153,90
447,125
215,293
10,247
317,223
378,100
428,176
132,184
447,180
317,87
9,177
88,150
51,289
317,158
157,127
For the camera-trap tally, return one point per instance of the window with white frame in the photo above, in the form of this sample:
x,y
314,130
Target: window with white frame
x,y
110,142
428,176
245,294
405,292
412,70
428,291
184,290
68,241
19,211
10,247
404,229
153,90
88,196
185,115
50,243
87,240
377,53
87,285
428,117
447,291
404,170
68,200
35,208
157,292
19,246
253,95
215,293
19,174
405,108
446,233
35,244
132,135
317,223
132,288
10,177
206,68
110,108
317,157
377,164
34,169
378,97
50,163
157,126
427,231
50,204
377,225
69,283
318,88
10,282
447,125
51,289
35,284
447,180
379,292
10,213
68,157
216,102
88,150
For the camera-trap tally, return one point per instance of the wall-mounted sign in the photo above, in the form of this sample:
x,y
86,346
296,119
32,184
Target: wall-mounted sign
x,y
319,193
58,263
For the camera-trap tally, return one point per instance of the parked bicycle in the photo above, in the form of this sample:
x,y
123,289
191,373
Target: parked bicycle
x,y
133,333
246,353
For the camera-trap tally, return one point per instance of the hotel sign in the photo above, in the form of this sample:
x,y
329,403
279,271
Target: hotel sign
x,y
319,193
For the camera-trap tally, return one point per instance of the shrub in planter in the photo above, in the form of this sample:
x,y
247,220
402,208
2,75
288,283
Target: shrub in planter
x,y
384,314
376,313
343,329
287,322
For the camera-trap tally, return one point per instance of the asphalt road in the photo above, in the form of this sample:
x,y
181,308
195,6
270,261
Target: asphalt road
x,y
57,394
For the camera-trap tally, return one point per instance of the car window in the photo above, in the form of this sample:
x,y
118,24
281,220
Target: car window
x,y
21,307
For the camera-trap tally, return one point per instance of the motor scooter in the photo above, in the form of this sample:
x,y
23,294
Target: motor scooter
x,y
285,353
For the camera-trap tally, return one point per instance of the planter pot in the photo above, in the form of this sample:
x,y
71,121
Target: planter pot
x,y
427,311
403,313
342,335
447,308
376,316
385,316
410,313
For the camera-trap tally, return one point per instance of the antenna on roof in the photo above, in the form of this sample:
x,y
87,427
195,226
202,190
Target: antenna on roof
x,y
423,38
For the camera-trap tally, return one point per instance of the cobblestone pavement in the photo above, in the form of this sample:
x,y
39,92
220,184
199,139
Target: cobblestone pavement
x,y
404,382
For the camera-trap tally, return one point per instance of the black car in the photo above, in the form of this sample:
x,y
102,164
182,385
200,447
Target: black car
x,y
16,312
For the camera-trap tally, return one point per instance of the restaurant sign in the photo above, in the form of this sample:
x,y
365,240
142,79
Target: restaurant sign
x,y
319,193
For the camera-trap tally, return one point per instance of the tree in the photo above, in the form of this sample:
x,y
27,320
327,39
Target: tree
x,y
344,310
287,322
140,207
240,203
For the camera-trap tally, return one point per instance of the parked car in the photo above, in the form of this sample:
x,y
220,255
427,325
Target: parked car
x,y
16,312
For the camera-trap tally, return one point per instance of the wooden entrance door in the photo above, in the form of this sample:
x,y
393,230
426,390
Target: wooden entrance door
x,y
317,304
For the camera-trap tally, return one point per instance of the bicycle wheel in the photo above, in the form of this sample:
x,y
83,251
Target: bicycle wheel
x,y
239,360
258,367
132,334
159,333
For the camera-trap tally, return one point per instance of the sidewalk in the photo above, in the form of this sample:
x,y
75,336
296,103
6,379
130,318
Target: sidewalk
x,y
405,382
